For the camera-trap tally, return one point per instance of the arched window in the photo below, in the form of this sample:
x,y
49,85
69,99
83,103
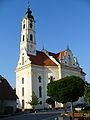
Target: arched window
x,y
22,60
40,102
23,26
30,25
39,78
23,37
22,104
22,80
51,78
40,91
22,91
31,37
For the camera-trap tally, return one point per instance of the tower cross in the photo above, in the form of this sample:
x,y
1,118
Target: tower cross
x,y
28,4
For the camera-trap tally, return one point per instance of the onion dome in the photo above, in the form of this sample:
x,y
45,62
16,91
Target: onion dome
x,y
28,14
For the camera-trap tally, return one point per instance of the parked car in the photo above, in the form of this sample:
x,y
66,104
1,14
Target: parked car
x,y
79,107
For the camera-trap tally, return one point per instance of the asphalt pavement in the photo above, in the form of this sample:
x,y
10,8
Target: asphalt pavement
x,y
34,116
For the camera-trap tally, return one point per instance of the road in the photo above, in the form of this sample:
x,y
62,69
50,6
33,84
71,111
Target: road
x,y
34,116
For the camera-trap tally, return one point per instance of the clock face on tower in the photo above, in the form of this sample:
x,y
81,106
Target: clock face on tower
x,y
31,46
31,49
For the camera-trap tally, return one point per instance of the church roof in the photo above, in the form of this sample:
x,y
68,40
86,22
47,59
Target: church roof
x,y
59,55
6,91
41,59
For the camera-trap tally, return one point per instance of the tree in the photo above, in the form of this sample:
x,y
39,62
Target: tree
x,y
50,101
67,89
87,93
34,101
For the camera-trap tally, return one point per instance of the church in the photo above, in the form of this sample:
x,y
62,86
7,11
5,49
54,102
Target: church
x,y
35,69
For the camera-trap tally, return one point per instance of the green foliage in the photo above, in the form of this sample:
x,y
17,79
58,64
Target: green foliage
x,y
34,100
50,101
87,93
66,89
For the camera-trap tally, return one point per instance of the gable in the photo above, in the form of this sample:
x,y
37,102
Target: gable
x,y
66,58
6,91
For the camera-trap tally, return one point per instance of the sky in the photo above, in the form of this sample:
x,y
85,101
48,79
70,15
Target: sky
x,y
58,23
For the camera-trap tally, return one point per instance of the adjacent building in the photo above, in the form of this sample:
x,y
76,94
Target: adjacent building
x,y
8,98
35,69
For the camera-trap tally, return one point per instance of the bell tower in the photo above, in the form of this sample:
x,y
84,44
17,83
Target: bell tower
x,y
23,69
28,41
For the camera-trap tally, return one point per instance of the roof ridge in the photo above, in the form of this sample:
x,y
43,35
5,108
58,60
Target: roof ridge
x,y
41,59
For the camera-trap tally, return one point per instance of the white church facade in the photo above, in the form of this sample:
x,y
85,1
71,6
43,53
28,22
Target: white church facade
x,y
35,69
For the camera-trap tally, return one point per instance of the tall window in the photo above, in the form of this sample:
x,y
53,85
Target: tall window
x,y
40,102
31,37
40,91
39,79
22,91
70,60
51,78
30,25
69,56
22,80
22,104
22,60
23,26
23,37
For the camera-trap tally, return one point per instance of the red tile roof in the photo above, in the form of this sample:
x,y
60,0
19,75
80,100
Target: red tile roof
x,y
6,91
59,55
41,59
